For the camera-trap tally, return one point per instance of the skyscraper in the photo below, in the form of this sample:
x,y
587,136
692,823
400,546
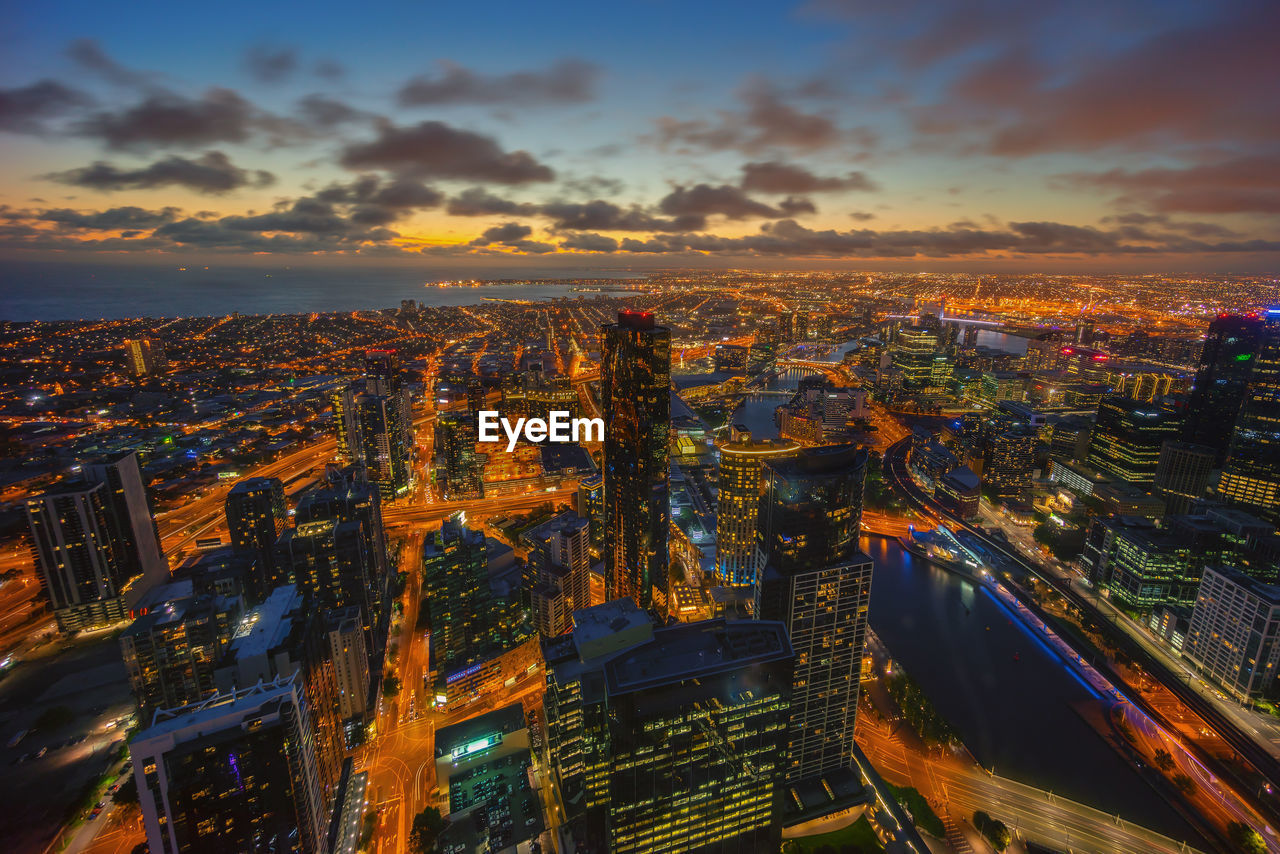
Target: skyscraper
x,y
635,380
459,470
236,772
1234,636
1230,349
175,643
133,525
143,356
373,422
669,739
738,506
1126,441
256,518
95,545
813,580
1251,476
913,353
559,572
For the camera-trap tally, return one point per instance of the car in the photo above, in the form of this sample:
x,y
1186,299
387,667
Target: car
x,y
41,753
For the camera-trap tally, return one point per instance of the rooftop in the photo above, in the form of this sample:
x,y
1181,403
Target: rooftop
x,y
696,650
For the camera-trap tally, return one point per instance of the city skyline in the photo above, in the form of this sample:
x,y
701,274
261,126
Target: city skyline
x,y
819,135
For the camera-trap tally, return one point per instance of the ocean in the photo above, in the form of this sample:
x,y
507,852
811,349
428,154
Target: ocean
x,y
39,290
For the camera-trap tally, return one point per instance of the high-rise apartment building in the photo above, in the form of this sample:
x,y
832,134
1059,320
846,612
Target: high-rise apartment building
x,y
373,422
1234,638
738,504
813,580
239,771
635,383
256,518
174,645
559,572
95,545
1251,475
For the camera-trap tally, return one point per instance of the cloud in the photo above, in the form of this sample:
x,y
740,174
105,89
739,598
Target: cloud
x,y
435,149
1207,83
169,119
373,201
766,123
90,56
327,113
1234,185
329,69
213,172
601,215
112,219
775,176
589,242
477,201
270,64
514,235
24,109
704,200
567,81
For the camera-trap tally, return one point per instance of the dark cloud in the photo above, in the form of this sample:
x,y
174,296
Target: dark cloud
x,y
726,200
513,235
169,119
589,242
1234,185
567,81
767,122
327,113
373,201
270,64
774,176
862,216
213,172
437,150
111,219
26,108
601,215
477,201
90,56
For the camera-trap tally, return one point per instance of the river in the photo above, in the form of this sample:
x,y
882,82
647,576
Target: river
x,y
959,644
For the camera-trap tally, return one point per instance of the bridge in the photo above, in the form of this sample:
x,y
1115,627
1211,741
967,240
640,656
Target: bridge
x,y
811,366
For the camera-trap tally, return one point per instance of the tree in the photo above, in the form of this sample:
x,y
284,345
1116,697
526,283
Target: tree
x,y
995,831
128,791
1245,839
390,686
1163,760
426,830
1184,784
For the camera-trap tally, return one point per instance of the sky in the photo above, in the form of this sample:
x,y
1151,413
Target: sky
x,y
828,134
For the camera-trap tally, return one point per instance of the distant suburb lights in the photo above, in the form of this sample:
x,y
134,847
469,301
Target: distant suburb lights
x,y
558,427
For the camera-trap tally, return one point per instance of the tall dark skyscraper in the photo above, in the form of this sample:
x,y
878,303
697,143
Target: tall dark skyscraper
x,y
1251,476
135,526
256,517
635,376
1230,350
812,579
